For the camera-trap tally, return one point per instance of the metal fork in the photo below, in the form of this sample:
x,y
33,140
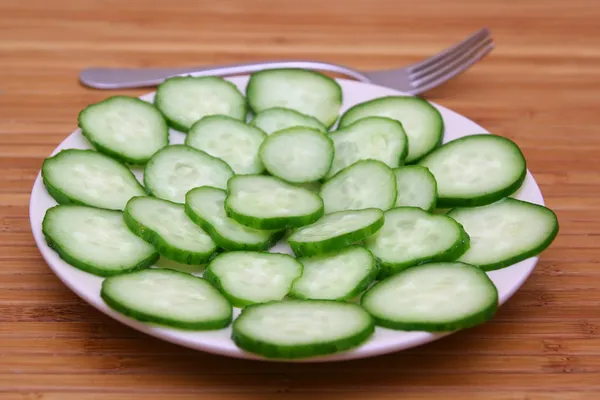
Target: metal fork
x,y
413,79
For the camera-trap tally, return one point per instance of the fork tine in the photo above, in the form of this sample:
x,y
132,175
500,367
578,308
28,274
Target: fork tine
x,y
452,69
468,42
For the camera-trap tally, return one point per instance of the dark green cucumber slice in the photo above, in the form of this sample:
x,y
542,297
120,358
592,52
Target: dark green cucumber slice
x,y
422,122
265,202
165,225
506,232
364,184
305,91
95,240
247,277
301,328
436,297
229,139
411,236
184,100
335,231
126,128
175,170
337,276
476,170
374,138
206,207
416,187
89,178
169,298
279,118
298,154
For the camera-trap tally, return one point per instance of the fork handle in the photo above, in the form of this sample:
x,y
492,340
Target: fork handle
x,y
118,78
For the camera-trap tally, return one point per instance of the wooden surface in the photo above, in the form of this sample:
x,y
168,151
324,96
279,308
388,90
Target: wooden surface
x,y
540,87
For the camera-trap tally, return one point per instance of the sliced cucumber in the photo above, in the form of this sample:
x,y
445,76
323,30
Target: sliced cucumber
x,y
297,154
375,138
247,277
307,92
336,276
126,128
421,121
416,187
229,139
301,328
336,231
364,184
265,202
476,170
506,232
279,118
90,178
434,297
184,100
175,170
96,241
164,225
206,207
168,297
411,236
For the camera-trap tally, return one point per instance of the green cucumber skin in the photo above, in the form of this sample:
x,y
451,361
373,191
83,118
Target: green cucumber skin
x,y
454,202
115,154
252,83
346,116
226,243
162,246
90,268
63,198
305,249
525,255
174,124
358,289
143,317
294,352
214,280
452,254
449,326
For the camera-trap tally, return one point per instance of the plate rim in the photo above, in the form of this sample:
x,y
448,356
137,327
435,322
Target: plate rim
x,y
162,333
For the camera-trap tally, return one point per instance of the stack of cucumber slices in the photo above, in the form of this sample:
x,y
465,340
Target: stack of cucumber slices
x,y
385,226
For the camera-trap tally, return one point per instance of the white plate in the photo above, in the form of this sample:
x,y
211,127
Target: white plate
x,y
87,286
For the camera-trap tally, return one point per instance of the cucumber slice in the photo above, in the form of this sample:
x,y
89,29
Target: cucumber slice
x,y
206,207
411,236
436,297
297,154
421,121
307,92
337,276
364,184
374,138
89,178
96,241
476,170
229,139
168,297
175,170
506,232
416,187
246,277
184,100
279,118
301,328
264,202
335,231
126,128
164,225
